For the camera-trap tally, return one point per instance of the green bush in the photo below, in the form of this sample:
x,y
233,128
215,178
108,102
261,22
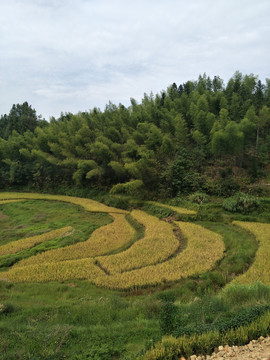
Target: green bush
x,y
198,198
168,317
132,187
117,202
240,203
167,296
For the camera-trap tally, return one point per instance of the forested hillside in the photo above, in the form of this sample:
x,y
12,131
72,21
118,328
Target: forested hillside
x,y
201,135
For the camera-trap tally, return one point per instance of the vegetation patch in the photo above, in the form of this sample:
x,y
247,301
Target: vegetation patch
x,y
19,245
158,244
214,253
260,269
37,217
87,204
103,240
10,201
178,210
204,249
241,203
171,347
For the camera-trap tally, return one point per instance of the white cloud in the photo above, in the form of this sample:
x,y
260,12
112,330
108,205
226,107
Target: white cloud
x,y
67,55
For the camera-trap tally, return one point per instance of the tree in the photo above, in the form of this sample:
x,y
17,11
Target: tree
x,y
3,126
217,84
262,121
21,118
228,141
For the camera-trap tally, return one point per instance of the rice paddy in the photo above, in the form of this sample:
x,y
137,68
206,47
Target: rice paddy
x,y
115,258
66,271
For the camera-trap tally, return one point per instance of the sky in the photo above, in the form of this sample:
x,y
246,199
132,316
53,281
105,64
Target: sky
x,y
74,55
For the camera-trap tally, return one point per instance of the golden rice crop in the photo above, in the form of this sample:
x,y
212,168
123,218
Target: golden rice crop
x,y
158,244
2,202
26,243
87,204
179,210
204,249
66,270
103,240
260,269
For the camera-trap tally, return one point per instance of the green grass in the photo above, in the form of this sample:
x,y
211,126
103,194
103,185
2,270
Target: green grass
x,y
91,317
71,320
34,217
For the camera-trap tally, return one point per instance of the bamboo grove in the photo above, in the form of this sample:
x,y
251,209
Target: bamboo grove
x,y
200,135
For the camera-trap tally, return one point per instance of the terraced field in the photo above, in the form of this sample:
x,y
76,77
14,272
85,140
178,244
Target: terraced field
x,y
70,268
260,269
115,257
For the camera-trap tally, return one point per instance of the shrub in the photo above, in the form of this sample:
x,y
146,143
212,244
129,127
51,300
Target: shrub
x,y
198,198
167,296
228,187
168,317
132,187
240,203
116,202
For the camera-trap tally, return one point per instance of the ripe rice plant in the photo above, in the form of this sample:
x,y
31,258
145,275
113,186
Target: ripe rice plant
x,y
26,243
204,249
103,240
158,245
179,210
260,269
87,204
54,271
2,202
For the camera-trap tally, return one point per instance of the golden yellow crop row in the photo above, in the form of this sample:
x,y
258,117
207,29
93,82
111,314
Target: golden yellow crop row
x,y
61,271
158,244
10,201
179,210
103,240
260,269
204,249
87,204
26,243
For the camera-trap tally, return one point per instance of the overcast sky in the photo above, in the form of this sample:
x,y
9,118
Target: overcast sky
x,y
73,55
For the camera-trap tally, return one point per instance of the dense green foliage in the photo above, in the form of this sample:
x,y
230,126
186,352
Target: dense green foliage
x,y
201,135
240,203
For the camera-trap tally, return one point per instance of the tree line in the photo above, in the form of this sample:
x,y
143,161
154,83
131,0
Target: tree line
x,y
201,135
